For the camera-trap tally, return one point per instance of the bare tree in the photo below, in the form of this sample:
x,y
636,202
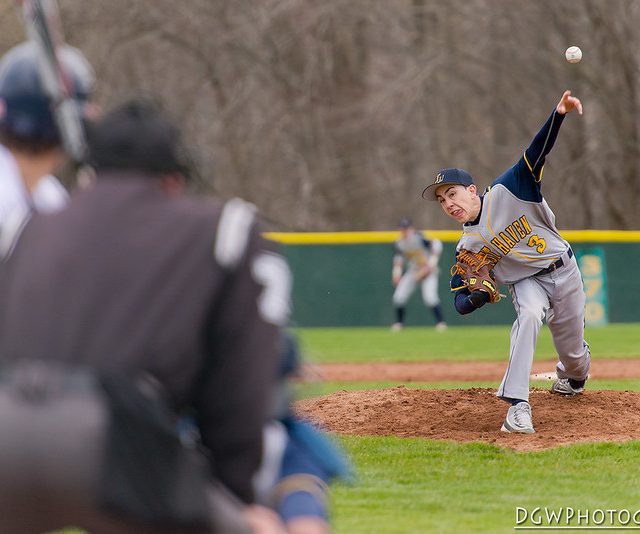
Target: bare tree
x,y
334,115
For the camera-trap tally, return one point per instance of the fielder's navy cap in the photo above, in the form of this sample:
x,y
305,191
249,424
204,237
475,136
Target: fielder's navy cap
x,y
405,222
447,177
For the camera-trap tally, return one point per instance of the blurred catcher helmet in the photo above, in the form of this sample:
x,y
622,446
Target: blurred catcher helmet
x,y
26,109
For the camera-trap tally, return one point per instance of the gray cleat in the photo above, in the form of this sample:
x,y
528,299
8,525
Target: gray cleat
x,y
519,419
563,386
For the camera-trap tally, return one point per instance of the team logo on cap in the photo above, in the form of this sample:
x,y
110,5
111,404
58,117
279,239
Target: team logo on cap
x,y
439,178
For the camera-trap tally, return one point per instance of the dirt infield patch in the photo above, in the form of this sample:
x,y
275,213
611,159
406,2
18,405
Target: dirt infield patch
x,y
476,415
440,371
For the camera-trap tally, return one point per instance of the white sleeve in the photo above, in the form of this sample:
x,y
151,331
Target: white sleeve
x,y
398,261
49,195
436,247
12,190
435,250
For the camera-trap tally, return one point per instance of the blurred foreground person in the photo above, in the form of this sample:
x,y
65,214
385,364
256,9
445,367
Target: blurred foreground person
x,y
30,140
300,461
130,309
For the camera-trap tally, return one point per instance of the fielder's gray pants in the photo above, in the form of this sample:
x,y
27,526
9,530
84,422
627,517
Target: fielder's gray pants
x,y
407,285
50,461
559,297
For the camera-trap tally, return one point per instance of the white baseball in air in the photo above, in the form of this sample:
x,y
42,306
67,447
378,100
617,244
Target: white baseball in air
x,y
573,54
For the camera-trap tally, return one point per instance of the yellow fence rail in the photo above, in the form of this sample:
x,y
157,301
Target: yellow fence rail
x,y
448,236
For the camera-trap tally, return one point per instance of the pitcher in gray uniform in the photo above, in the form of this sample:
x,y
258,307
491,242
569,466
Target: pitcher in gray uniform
x,y
513,225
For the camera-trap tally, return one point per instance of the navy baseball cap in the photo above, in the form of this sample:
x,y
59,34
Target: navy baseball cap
x,y
405,222
447,177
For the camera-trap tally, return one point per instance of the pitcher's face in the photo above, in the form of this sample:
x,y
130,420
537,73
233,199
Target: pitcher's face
x,y
459,202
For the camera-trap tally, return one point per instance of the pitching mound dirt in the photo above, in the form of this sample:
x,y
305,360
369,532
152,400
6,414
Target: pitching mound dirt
x,y
476,415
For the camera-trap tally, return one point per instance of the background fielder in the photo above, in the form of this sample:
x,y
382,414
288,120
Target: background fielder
x,y
512,224
421,257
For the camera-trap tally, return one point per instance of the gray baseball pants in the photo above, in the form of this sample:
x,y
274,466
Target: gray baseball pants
x,y
559,298
407,285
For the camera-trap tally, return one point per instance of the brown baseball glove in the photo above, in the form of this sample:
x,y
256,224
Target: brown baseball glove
x,y
475,270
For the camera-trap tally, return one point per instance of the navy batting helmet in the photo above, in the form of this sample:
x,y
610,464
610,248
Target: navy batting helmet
x,y
25,107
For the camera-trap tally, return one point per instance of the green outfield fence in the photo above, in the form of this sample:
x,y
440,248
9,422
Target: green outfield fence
x,y
344,278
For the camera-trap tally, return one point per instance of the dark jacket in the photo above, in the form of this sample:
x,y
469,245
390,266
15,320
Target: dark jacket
x,y
129,278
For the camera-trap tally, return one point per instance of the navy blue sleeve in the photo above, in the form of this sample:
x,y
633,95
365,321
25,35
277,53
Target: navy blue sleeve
x,y
542,144
461,296
461,302
464,300
524,178
297,460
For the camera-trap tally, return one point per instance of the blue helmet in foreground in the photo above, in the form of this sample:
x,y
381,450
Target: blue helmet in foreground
x,y
26,109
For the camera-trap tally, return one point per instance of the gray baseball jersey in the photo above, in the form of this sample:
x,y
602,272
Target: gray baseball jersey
x,y
518,234
418,252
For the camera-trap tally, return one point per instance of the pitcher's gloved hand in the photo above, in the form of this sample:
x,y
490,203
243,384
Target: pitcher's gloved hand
x,y
476,274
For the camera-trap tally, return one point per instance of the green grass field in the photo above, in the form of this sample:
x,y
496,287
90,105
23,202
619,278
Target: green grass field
x,y
416,485
326,345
